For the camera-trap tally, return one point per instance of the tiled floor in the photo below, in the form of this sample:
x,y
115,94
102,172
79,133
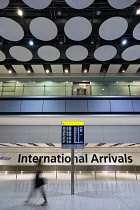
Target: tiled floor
x,y
89,194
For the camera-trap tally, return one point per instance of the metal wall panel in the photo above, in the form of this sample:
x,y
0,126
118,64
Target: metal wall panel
x,y
10,105
31,105
76,106
136,105
54,106
121,106
98,106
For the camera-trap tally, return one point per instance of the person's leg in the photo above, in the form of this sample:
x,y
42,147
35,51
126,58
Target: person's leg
x,y
44,195
31,194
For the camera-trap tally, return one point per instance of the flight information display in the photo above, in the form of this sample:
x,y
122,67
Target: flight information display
x,y
72,134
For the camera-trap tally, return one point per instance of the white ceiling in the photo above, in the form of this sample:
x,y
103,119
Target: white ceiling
x,y
113,69
94,69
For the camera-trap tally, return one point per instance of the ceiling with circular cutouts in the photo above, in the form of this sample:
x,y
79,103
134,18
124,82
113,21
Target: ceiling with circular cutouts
x,y
78,28
10,29
113,28
48,53
105,53
136,32
2,56
20,53
76,53
131,53
37,4
88,33
79,4
4,3
43,29
121,4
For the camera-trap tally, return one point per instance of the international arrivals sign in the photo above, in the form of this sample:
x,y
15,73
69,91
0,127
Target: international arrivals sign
x,y
65,158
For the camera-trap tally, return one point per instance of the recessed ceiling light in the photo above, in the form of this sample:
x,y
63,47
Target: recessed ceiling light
x,y
98,12
31,43
92,41
61,42
47,71
124,42
138,12
59,12
20,12
28,71
10,71
66,71
85,71
123,71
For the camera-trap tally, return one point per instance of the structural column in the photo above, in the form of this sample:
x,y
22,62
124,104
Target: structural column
x,y
72,171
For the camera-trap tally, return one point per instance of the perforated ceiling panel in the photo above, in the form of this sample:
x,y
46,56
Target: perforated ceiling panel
x,y
121,4
37,4
20,53
4,3
10,29
79,4
70,32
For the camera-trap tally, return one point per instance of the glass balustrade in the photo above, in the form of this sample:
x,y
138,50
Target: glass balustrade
x,y
88,90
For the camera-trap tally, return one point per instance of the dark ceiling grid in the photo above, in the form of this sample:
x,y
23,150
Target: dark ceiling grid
x,y
28,67
9,67
62,42
123,68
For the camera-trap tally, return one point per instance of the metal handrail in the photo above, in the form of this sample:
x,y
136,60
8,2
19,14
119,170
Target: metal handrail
x,y
103,87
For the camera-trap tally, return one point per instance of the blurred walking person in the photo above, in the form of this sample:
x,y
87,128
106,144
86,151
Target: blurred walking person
x,y
38,184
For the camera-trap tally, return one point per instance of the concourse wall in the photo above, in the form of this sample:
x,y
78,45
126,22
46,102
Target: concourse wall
x,y
52,134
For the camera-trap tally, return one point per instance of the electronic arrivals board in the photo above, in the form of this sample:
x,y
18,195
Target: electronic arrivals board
x,y
72,134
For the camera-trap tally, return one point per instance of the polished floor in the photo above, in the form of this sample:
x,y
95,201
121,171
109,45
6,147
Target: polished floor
x,y
89,193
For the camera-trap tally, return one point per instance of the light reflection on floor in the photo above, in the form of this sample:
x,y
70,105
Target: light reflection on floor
x,y
89,193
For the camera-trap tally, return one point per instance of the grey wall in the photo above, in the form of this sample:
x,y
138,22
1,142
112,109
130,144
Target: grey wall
x,y
58,105
52,134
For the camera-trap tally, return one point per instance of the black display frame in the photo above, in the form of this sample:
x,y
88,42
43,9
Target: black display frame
x,y
74,136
